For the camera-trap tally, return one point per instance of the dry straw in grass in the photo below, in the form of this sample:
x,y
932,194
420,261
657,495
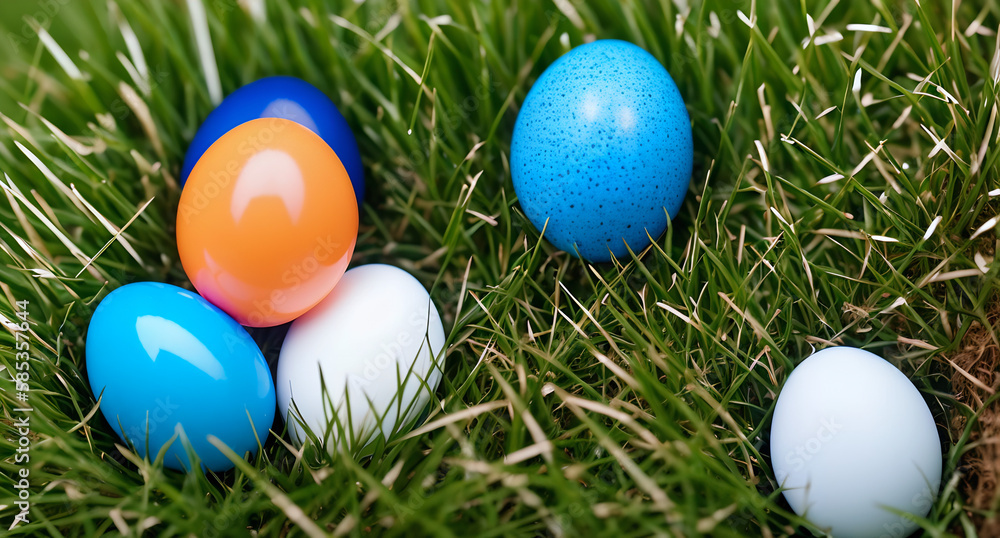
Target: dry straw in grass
x,y
975,378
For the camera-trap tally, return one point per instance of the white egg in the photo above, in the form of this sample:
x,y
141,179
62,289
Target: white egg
x,y
851,437
375,345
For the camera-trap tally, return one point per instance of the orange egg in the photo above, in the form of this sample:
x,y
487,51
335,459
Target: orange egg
x,y
267,222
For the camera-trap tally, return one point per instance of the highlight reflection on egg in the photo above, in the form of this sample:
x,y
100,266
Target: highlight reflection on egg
x,y
267,222
602,150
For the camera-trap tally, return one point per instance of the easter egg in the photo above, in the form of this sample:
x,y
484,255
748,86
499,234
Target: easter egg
x,y
284,97
851,437
267,222
374,346
170,367
602,150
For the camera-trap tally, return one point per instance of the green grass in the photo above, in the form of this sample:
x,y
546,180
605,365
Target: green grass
x,y
623,399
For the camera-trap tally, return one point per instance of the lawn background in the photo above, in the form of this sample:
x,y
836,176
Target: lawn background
x,y
627,399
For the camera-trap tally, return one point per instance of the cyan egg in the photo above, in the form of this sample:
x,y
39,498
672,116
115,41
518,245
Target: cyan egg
x,y
288,98
602,150
166,362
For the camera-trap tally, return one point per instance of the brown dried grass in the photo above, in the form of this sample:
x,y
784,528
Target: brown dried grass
x,y
980,358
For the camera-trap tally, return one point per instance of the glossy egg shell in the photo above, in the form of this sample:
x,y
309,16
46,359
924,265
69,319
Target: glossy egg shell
x,y
267,222
602,150
284,97
850,436
377,331
163,360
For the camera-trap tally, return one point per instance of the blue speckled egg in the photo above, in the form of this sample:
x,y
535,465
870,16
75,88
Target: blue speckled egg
x,y
602,150
288,98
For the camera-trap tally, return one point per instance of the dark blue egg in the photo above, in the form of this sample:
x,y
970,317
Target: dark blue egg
x,y
602,150
288,98
170,367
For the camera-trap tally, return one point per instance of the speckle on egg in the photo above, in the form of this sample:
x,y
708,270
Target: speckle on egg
x,y
602,148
